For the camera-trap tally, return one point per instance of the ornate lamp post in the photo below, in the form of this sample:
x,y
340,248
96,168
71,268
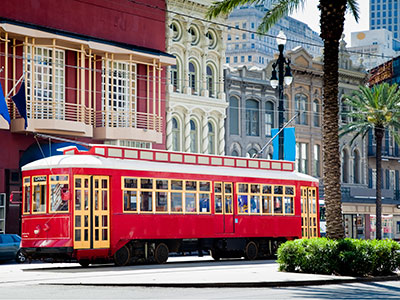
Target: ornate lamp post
x,y
278,81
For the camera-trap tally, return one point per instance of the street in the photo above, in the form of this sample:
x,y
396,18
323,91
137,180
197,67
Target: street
x,y
69,281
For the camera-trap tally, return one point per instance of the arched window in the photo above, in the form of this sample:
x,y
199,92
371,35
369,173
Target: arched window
x,y
211,139
356,167
210,82
301,108
176,143
193,137
316,113
269,117
252,152
234,115
252,119
235,153
192,78
345,166
175,77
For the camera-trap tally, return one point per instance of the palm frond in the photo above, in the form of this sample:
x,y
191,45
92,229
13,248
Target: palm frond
x,y
279,9
226,6
353,8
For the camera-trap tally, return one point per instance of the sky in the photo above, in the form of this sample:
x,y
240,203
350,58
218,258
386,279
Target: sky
x,y
310,12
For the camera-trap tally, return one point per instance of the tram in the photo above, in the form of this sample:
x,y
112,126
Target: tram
x,y
138,205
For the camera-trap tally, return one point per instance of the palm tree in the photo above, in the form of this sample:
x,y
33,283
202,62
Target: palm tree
x,y
331,23
377,109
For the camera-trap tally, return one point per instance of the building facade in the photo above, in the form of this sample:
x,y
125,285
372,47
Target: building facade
x,y
93,73
196,101
253,111
385,14
246,47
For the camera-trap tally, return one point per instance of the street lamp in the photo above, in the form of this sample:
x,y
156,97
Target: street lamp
x,y
278,82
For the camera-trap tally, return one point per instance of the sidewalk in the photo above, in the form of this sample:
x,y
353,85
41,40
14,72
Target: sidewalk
x,y
178,272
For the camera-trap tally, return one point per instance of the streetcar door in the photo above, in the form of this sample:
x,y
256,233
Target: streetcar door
x,y
309,215
229,226
91,212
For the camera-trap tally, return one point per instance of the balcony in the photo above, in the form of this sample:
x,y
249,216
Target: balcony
x,y
127,125
55,118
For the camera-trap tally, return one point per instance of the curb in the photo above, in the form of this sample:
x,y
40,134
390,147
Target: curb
x,y
261,284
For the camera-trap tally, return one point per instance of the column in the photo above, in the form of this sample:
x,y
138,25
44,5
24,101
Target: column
x,y
221,135
204,131
169,130
187,132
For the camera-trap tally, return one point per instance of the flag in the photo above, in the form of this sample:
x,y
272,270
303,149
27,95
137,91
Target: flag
x,y
20,102
289,144
3,106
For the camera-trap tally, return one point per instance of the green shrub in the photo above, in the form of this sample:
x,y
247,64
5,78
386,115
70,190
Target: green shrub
x,y
350,257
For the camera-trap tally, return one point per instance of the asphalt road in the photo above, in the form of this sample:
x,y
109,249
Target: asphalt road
x,y
47,281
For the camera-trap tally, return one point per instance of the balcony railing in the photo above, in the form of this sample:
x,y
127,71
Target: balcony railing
x,y
128,119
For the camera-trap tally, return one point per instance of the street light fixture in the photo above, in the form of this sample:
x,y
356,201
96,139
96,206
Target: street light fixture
x,y
278,82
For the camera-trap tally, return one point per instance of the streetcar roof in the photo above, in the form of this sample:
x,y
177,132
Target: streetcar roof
x,y
98,162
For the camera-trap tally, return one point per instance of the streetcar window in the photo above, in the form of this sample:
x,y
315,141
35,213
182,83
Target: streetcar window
x,y
277,205
130,183
278,189
27,195
146,183
218,187
162,201
243,187
190,202
204,186
59,193
255,204
228,189
228,204
288,205
255,188
176,185
267,189
176,202
266,204
39,193
242,203
130,200
191,185
218,204
204,203
289,190
161,184
146,201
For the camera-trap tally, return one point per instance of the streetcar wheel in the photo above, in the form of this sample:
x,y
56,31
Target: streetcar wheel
x,y
251,251
84,262
161,253
215,255
122,256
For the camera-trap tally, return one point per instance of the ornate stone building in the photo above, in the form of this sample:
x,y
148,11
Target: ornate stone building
x,y
196,104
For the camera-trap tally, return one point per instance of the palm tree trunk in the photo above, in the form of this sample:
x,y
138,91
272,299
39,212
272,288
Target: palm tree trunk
x,y
332,21
379,132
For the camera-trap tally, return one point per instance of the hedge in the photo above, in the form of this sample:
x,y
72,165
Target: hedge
x,y
349,257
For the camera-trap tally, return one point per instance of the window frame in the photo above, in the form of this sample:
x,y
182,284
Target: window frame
x,y
51,181
40,183
26,183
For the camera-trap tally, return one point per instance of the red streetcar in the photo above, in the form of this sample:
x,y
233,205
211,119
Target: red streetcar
x,y
132,205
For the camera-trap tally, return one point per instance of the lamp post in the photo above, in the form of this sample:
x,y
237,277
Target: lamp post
x,y
278,81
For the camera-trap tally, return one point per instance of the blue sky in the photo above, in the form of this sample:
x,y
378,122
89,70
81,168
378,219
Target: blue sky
x,y
310,16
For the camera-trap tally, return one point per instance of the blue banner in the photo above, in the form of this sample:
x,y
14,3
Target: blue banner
x,y
3,106
289,144
20,102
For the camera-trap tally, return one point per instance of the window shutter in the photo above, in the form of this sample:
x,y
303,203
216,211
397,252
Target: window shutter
x,y
370,178
387,179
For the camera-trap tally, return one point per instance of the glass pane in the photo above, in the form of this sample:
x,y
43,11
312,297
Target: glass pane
x,y
204,186
242,204
130,200
96,235
104,235
191,185
162,184
104,199
130,183
218,204
104,220
278,205
146,183
217,187
86,221
78,199
86,237
267,189
104,183
77,221
255,188
96,183
96,200
278,189
146,201
255,204
288,205
289,190
77,235
78,183
176,202
86,183
161,201
228,204
204,203
267,204
228,188
96,221
176,184
86,200
27,200
243,188
190,202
